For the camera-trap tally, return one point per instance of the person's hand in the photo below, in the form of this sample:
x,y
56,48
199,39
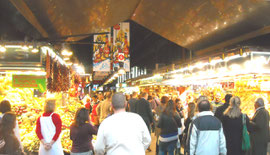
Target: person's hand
x,y
43,142
47,146
52,142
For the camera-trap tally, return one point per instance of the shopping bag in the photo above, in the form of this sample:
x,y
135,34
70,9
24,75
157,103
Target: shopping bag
x,y
245,135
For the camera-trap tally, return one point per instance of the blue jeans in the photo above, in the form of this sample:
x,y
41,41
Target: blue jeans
x,y
167,147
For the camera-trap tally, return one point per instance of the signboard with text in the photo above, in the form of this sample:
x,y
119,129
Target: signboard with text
x,y
29,81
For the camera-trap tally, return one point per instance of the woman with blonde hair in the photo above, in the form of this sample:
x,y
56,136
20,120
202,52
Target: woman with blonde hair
x,y
233,127
48,129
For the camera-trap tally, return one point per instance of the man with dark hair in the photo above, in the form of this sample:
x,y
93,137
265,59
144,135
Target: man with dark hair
x,y
123,132
144,110
205,135
132,102
220,110
259,134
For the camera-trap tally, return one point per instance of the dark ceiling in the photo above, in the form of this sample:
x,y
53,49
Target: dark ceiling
x,y
200,26
146,49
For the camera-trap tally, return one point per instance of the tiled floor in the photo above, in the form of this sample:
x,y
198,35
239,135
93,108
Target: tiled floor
x,y
152,146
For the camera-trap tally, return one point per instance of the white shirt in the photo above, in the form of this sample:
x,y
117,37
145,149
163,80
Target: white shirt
x,y
122,133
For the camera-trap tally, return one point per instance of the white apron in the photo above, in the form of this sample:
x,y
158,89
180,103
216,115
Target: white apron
x,y
48,130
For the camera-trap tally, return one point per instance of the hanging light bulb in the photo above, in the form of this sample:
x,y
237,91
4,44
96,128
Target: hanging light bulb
x,y
2,49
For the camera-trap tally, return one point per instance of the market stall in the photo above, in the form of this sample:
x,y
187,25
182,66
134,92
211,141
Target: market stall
x,y
42,74
244,74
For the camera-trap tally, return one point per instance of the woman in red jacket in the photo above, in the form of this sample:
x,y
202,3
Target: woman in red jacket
x,y
48,129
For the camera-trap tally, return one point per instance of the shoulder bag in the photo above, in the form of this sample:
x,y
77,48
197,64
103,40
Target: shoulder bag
x,y
245,135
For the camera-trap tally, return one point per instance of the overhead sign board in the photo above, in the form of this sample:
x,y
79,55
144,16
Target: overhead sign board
x,y
29,81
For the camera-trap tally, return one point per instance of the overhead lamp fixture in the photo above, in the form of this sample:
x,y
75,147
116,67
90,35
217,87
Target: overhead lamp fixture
x,y
121,71
66,52
69,63
3,49
66,59
35,49
25,47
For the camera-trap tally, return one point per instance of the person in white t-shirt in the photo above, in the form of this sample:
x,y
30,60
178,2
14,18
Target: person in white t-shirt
x,y
123,132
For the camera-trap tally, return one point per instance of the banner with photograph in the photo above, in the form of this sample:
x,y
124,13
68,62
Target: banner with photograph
x,y
102,52
121,40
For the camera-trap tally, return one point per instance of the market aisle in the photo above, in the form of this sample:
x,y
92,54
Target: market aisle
x,y
153,145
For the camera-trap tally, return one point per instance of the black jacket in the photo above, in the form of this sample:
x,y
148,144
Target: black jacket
x,y
220,110
233,129
144,110
169,124
260,133
132,104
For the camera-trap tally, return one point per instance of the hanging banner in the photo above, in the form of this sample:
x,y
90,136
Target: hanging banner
x,y
29,81
121,39
102,51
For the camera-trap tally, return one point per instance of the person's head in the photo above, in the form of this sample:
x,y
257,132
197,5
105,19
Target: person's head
x,y
118,101
201,98
127,97
5,106
8,123
145,95
108,95
88,100
228,98
134,94
95,98
81,116
49,105
191,109
164,100
150,98
204,105
100,96
217,97
259,103
170,108
234,111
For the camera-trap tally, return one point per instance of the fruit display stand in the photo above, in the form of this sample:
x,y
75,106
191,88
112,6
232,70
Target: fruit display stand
x,y
28,108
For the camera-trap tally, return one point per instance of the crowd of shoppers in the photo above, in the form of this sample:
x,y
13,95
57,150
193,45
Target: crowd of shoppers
x,y
123,125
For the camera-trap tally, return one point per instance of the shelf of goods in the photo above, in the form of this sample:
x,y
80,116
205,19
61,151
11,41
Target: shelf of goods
x,y
28,108
247,88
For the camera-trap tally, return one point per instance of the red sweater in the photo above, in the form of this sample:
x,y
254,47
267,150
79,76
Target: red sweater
x,y
56,121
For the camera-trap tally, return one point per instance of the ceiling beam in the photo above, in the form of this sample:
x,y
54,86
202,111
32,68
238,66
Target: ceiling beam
x,y
28,14
233,41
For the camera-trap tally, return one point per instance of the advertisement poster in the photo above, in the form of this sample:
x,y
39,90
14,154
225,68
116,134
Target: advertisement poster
x,y
102,51
121,40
